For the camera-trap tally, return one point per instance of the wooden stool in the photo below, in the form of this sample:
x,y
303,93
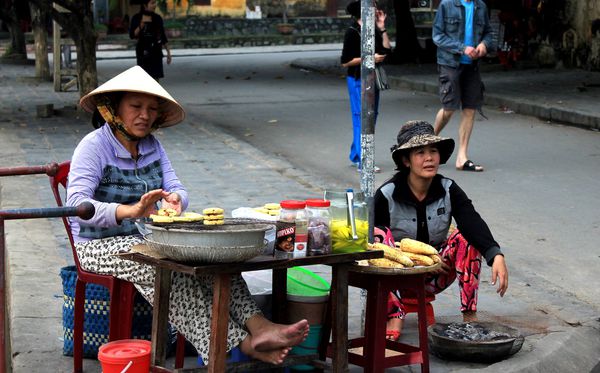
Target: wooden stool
x,y
379,282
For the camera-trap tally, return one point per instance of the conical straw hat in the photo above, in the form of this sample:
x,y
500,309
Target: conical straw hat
x,y
137,80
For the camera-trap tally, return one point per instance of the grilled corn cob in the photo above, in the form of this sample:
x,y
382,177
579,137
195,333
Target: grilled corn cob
x,y
420,259
408,245
392,254
385,263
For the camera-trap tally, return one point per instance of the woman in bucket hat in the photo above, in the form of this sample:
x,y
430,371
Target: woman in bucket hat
x,y
419,203
124,171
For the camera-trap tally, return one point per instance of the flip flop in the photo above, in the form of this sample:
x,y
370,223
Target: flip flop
x,y
470,166
392,335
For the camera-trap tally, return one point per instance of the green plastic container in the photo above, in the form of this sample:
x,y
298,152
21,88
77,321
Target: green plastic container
x,y
305,284
309,346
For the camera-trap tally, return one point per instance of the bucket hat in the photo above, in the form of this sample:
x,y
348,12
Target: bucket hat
x,y
137,80
418,133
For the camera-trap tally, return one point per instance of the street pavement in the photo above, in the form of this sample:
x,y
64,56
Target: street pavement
x,y
559,337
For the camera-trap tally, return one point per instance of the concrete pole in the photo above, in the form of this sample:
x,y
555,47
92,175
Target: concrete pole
x,y
367,120
367,73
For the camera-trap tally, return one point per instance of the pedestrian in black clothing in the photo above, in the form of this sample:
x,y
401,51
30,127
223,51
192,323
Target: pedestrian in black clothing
x,y
147,27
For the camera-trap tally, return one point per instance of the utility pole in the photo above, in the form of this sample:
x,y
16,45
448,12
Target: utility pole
x,y
367,84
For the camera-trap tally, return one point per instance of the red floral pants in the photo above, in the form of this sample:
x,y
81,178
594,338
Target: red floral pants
x,y
465,265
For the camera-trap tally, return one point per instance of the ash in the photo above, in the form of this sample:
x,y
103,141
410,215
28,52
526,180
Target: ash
x,y
473,332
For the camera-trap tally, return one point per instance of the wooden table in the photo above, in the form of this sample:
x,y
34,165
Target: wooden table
x,y
340,264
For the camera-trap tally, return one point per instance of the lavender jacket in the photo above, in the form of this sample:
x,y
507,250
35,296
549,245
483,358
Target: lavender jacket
x,y
104,173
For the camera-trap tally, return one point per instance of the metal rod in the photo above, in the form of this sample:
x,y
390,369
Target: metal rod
x,y
3,318
50,169
84,211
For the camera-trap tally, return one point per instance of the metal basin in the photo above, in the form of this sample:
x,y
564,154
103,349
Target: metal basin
x,y
479,342
233,241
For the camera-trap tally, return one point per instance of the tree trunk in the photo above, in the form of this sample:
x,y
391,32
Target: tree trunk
x,y
40,37
78,22
407,46
8,14
85,44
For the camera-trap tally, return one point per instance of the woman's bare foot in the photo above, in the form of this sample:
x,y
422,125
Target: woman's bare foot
x,y
394,328
267,336
275,356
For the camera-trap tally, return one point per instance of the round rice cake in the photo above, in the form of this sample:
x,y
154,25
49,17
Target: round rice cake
x,y
214,222
193,216
273,212
272,206
161,218
214,217
181,218
213,211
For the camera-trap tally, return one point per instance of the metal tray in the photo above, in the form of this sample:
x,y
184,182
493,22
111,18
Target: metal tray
x,y
394,271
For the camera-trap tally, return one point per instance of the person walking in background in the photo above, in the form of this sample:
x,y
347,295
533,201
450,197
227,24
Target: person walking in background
x,y
462,34
147,27
351,59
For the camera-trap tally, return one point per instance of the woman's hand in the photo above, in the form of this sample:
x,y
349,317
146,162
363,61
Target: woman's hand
x,y
500,272
144,207
443,270
172,201
379,58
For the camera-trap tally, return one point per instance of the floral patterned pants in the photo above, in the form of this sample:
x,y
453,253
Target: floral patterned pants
x,y
465,265
191,297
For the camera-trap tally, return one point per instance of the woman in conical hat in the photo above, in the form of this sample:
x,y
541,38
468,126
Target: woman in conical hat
x,y
124,171
420,204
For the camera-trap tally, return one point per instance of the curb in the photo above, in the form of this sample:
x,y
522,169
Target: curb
x,y
519,105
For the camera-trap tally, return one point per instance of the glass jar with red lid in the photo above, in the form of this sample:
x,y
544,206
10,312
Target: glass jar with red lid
x,y
319,232
291,236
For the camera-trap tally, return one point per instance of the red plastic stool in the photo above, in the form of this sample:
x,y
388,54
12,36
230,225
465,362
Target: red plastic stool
x,y
374,344
411,305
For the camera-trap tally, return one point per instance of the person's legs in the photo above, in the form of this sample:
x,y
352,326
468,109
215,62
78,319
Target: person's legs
x,y
465,264
472,99
449,92
354,95
465,128
395,314
442,118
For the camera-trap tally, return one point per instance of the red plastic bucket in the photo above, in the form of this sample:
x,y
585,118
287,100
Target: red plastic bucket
x,y
117,355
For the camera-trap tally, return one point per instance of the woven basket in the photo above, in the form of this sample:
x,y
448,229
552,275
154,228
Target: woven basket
x,y
96,315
